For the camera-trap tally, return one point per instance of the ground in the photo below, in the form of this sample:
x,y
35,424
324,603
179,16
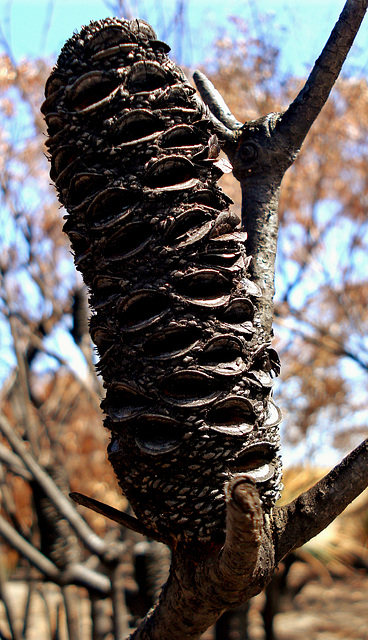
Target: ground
x,y
338,611
325,609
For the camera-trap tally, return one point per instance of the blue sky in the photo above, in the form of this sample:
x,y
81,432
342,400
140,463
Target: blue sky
x,y
40,27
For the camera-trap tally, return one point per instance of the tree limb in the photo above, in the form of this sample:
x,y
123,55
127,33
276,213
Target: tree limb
x,y
261,151
33,555
217,105
75,573
206,581
243,530
82,575
15,465
313,510
64,506
15,624
299,117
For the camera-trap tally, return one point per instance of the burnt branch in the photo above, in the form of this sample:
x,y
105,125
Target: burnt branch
x,y
217,105
86,534
301,114
122,518
203,585
243,531
261,151
75,573
28,551
313,510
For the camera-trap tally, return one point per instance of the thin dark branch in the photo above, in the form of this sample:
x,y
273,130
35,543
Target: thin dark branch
x,y
301,114
313,510
122,518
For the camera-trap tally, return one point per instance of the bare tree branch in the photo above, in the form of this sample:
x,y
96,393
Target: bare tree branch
x,y
217,105
72,612
87,535
312,511
86,577
120,614
301,114
122,518
261,151
243,530
15,624
205,582
33,555
74,574
13,462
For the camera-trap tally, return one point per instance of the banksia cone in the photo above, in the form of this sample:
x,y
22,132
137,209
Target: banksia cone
x,y
187,369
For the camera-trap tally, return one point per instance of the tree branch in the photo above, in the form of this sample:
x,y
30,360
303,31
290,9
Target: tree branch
x,y
122,518
14,464
312,511
75,573
33,555
64,506
217,105
299,117
243,530
82,575
261,151
15,624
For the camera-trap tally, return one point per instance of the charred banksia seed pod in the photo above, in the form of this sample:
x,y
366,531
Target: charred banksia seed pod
x,y
187,369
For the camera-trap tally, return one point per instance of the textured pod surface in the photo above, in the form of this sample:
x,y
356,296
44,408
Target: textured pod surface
x,y
187,370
